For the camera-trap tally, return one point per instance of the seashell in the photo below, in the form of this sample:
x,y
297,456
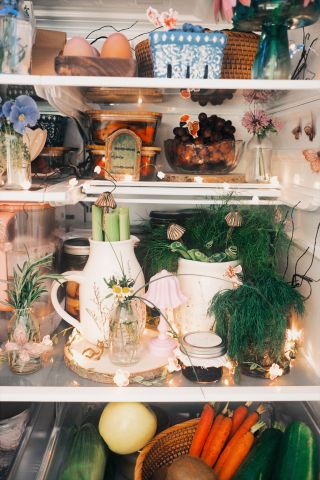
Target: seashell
x,y
175,232
106,200
234,219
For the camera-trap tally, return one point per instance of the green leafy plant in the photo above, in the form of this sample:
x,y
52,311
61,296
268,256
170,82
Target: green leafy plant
x,y
258,241
28,283
252,318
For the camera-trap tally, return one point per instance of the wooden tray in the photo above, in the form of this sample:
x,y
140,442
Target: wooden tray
x,y
187,177
95,67
102,370
123,95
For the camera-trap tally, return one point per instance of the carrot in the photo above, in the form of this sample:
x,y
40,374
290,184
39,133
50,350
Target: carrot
x,y
211,438
241,449
218,441
249,422
238,417
202,430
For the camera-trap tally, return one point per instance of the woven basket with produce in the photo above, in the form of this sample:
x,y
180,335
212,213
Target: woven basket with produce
x,y
227,446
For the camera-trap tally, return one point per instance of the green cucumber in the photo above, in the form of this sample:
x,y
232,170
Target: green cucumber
x,y
259,464
298,454
87,457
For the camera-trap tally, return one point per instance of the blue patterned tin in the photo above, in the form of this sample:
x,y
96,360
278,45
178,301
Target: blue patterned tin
x,y
179,54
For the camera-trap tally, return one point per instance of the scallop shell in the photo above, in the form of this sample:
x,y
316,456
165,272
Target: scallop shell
x,y
175,232
106,200
234,219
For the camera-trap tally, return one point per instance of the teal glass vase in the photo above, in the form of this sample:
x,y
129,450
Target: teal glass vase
x,y
273,18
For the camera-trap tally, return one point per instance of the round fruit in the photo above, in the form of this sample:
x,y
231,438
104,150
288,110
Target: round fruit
x,y
189,468
127,426
203,117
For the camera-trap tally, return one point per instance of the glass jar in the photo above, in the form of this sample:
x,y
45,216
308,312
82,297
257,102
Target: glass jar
x,y
22,331
16,33
258,160
75,256
125,333
202,356
15,161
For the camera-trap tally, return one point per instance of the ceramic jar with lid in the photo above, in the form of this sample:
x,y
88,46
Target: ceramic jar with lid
x,y
202,356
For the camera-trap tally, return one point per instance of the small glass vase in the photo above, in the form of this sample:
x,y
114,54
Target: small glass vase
x,y
258,160
16,38
15,161
125,333
22,330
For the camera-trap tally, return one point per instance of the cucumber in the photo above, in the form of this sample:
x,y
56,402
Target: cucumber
x,y
259,464
298,454
87,457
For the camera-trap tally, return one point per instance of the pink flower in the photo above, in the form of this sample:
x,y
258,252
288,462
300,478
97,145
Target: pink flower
x,y
154,16
169,19
24,356
121,378
275,371
11,347
20,335
277,124
173,365
306,2
232,273
258,96
256,122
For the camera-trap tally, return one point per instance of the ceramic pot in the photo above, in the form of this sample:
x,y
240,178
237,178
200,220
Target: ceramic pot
x,y
105,260
199,282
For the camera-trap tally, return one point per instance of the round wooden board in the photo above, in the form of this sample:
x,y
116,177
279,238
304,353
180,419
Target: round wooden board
x,y
149,366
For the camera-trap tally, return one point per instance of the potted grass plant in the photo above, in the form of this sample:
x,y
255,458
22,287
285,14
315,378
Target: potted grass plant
x,y
24,346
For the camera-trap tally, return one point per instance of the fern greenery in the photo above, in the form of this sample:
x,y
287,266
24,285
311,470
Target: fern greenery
x,y
253,317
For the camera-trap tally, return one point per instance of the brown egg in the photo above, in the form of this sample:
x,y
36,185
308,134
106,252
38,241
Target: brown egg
x,y
116,46
77,47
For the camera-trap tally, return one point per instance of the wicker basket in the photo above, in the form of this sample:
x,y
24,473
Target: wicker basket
x,y
238,58
165,448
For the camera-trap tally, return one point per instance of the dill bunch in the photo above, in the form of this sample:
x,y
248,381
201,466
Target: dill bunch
x,y
253,317
27,284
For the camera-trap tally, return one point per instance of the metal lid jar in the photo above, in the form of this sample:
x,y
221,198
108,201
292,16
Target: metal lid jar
x,y
202,356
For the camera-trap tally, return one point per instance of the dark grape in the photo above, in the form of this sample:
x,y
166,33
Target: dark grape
x,y
203,117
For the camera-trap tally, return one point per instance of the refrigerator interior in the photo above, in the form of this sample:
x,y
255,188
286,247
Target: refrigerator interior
x,y
51,432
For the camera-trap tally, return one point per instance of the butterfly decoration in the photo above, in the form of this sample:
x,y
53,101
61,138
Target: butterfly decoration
x,y
313,158
193,128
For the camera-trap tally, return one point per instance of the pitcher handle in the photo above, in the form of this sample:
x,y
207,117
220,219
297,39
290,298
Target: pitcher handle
x,y
73,276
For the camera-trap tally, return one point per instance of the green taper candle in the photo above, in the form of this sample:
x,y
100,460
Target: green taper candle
x,y
111,227
97,228
124,223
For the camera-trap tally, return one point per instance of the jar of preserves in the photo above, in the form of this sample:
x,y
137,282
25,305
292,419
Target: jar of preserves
x,y
202,356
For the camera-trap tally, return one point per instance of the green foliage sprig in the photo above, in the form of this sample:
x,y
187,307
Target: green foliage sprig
x,y
253,317
28,282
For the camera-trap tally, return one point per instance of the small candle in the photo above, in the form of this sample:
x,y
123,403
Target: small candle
x,y
97,229
124,223
111,227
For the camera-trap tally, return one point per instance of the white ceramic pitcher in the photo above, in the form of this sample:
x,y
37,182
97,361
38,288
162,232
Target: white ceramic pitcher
x,y
105,260
199,282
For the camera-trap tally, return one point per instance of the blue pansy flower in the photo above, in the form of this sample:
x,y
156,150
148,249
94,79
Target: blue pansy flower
x,y
24,113
6,108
